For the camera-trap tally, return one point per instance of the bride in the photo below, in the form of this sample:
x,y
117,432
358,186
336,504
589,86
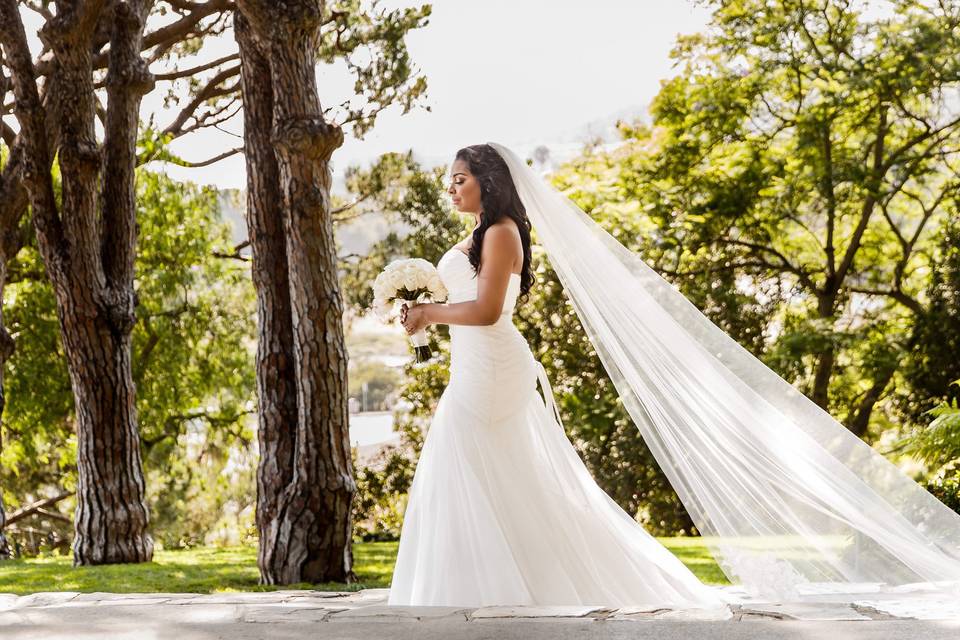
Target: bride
x,y
502,510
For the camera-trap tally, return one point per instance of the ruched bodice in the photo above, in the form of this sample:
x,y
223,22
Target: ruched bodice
x,y
461,281
494,361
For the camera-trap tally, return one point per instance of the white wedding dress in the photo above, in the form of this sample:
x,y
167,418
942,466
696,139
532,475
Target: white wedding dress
x,y
502,510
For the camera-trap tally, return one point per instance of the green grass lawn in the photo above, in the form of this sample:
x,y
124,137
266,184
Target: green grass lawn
x,y
215,569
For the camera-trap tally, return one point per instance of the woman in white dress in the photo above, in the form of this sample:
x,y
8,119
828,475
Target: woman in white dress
x,y
791,504
502,510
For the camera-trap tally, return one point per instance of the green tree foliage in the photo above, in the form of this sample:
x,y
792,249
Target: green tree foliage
x,y
382,483
200,84
193,368
933,371
370,41
934,363
805,153
939,444
381,497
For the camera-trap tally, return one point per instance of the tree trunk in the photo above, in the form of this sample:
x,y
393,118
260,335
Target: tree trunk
x,y
825,359
860,420
111,518
822,375
310,537
88,253
276,376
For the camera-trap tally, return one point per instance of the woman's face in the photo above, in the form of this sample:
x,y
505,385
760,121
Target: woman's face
x,y
464,188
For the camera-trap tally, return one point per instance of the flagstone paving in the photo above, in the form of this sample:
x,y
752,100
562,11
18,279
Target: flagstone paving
x,y
365,615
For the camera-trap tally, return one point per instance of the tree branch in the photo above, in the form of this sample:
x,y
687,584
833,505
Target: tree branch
x,y
784,264
912,142
37,157
214,117
893,294
164,37
209,91
209,161
128,79
192,71
37,506
869,203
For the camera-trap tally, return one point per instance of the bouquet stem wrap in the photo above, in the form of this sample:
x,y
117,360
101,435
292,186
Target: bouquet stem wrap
x,y
421,343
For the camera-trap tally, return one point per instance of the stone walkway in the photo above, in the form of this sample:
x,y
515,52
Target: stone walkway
x,y
364,615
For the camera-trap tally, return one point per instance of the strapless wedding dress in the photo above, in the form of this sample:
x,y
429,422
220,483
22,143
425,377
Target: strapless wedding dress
x,y
502,510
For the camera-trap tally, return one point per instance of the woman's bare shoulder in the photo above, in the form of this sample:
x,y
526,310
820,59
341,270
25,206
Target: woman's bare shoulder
x,y
503,239
506,227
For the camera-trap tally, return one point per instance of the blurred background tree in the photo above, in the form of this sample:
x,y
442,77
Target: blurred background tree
x,y
193,368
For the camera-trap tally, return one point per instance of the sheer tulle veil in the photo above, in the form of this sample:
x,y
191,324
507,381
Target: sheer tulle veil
x,y
788,500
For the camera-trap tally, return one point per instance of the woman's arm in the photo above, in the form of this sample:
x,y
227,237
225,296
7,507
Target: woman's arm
x,y
468,312
501,244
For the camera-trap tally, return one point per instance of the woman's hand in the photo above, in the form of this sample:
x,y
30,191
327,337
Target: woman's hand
x,y
414,318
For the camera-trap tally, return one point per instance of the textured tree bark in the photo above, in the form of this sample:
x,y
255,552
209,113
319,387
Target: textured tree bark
x,y
276,375
88,253
96,304
309,536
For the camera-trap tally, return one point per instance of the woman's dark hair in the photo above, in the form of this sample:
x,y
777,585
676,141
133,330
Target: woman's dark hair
x,y
499,198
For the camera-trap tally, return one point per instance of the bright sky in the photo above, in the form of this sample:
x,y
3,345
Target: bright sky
x,y
518,72
521,73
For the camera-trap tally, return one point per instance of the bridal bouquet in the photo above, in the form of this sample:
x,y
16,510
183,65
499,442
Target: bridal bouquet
x,y
408,280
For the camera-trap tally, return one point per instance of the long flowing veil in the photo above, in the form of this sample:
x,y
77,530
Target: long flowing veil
x,y
788,500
